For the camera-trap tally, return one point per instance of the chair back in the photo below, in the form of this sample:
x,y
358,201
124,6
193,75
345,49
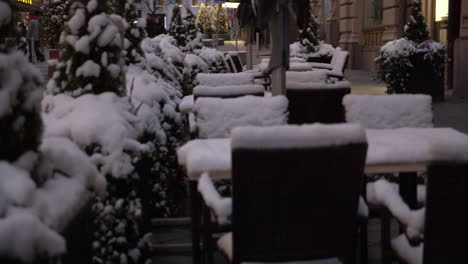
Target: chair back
x,y
236,61
315,103
295,191
339,60
446,229
389,111
216,117
229,91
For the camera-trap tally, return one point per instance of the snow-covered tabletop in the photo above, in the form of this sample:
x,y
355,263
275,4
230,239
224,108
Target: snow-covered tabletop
x,y
390,150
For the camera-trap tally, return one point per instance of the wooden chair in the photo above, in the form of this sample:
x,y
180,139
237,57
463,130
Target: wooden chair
x,y
216,117
295,193
316,102
337,65
388,111
445,229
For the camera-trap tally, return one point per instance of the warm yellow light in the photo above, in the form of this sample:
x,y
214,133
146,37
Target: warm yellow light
x,y
25,1
441,9
230,5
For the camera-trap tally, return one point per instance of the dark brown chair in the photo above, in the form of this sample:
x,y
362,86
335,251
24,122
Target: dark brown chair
x,y
445,228
389,112
295,197
324,105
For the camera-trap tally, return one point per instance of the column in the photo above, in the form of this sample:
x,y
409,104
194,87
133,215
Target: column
x,y
392,19
461,54
349,30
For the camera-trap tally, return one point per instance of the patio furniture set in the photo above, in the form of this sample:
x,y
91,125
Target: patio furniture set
x,y
296,165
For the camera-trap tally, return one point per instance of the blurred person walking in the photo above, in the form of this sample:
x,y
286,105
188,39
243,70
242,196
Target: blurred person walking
x,y
150,27
159,26
33,37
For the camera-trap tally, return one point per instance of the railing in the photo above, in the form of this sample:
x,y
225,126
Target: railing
x,y
373,37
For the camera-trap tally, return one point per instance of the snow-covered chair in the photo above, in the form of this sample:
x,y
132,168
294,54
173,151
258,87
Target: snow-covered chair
x,y
444,220
313,99
278,170
228,91
216,117
222,85
337,65
387,112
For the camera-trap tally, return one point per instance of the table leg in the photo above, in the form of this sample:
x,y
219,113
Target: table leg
x,y
408,188
195,214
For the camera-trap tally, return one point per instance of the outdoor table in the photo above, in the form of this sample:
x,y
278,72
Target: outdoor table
x,y
404,150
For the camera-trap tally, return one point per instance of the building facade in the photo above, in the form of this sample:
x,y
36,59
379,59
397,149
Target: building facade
x,y
363,26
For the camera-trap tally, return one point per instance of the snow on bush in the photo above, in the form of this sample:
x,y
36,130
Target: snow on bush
x,y
44,182
105,120
54,16
164,126
91,54
400,60
214,59
164,59
397,59
134,34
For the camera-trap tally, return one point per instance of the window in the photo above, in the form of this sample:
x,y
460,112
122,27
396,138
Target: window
x,y
373,13
194,2
160,2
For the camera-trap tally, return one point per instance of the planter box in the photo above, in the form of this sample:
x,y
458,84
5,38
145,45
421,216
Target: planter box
x,y
423,81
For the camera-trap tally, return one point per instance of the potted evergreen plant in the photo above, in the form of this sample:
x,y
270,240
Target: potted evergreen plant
x,y
413,64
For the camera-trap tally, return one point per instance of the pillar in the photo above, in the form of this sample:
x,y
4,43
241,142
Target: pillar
x,y
460,69
349,30
392,19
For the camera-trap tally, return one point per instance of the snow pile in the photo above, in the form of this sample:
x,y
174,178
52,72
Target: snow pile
x,y
43,186
105,120
410,254
217,117
186,105
389,111
164,46
205,155
222,79
221,206
298,50
316,135
228,90
25,237
385,194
